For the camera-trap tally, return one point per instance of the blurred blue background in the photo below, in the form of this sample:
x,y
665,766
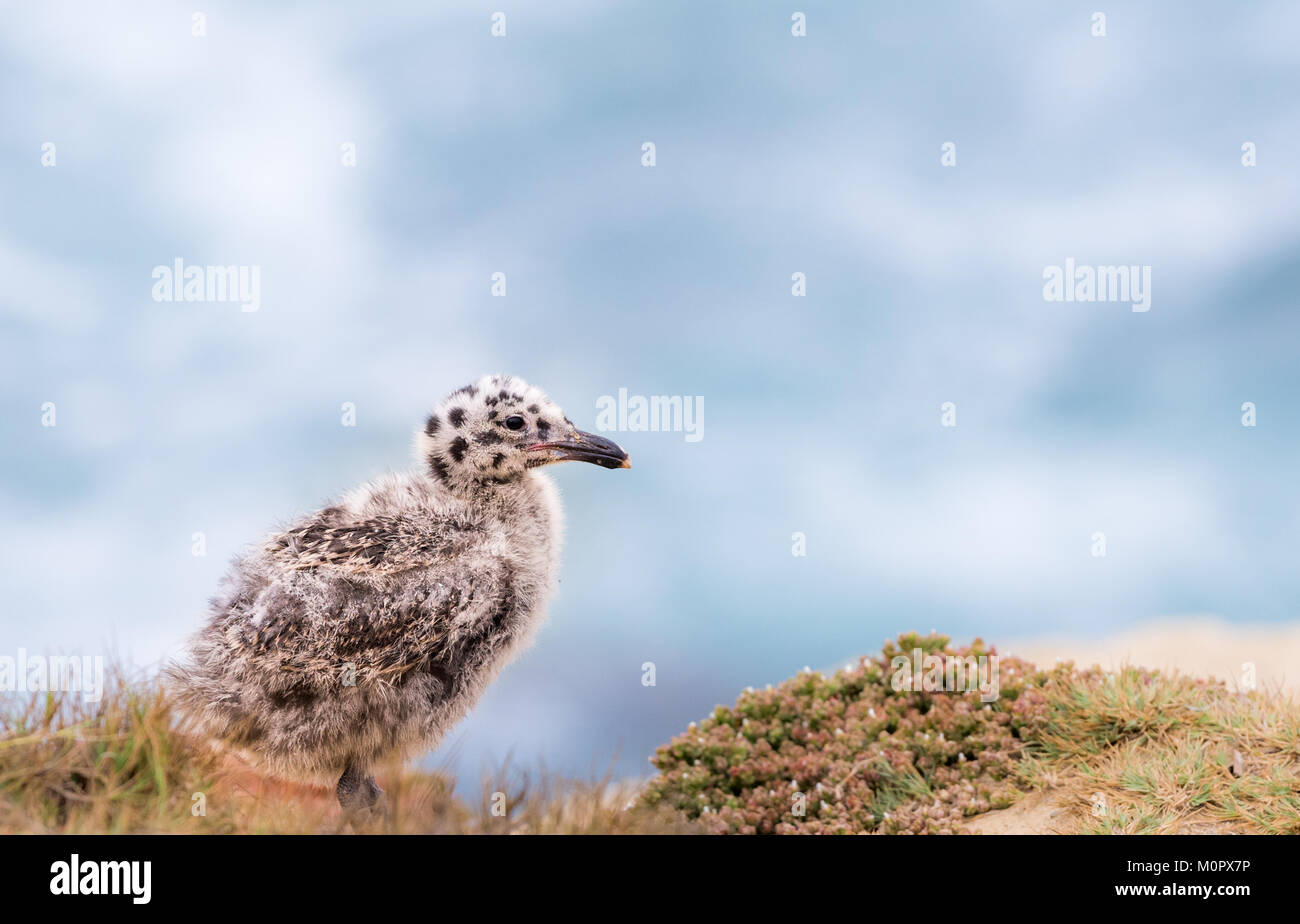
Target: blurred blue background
x,y
522,154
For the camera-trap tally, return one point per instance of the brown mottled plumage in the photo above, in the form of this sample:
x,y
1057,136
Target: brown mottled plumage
x,y
371,627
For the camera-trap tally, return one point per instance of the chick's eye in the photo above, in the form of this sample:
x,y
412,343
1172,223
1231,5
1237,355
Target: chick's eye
x,y
514,423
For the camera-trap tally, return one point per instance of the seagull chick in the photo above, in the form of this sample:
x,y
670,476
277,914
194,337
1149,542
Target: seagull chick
x,y
368,629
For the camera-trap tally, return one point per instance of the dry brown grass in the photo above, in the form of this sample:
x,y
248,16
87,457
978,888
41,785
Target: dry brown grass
x,y
128,764
1144,752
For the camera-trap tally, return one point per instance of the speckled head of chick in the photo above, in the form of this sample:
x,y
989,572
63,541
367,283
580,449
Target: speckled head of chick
x,y
494,431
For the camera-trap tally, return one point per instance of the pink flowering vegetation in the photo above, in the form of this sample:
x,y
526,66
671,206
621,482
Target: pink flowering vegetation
x,y
849,754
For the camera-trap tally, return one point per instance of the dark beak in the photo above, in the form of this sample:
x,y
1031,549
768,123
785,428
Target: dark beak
x,y
586,447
